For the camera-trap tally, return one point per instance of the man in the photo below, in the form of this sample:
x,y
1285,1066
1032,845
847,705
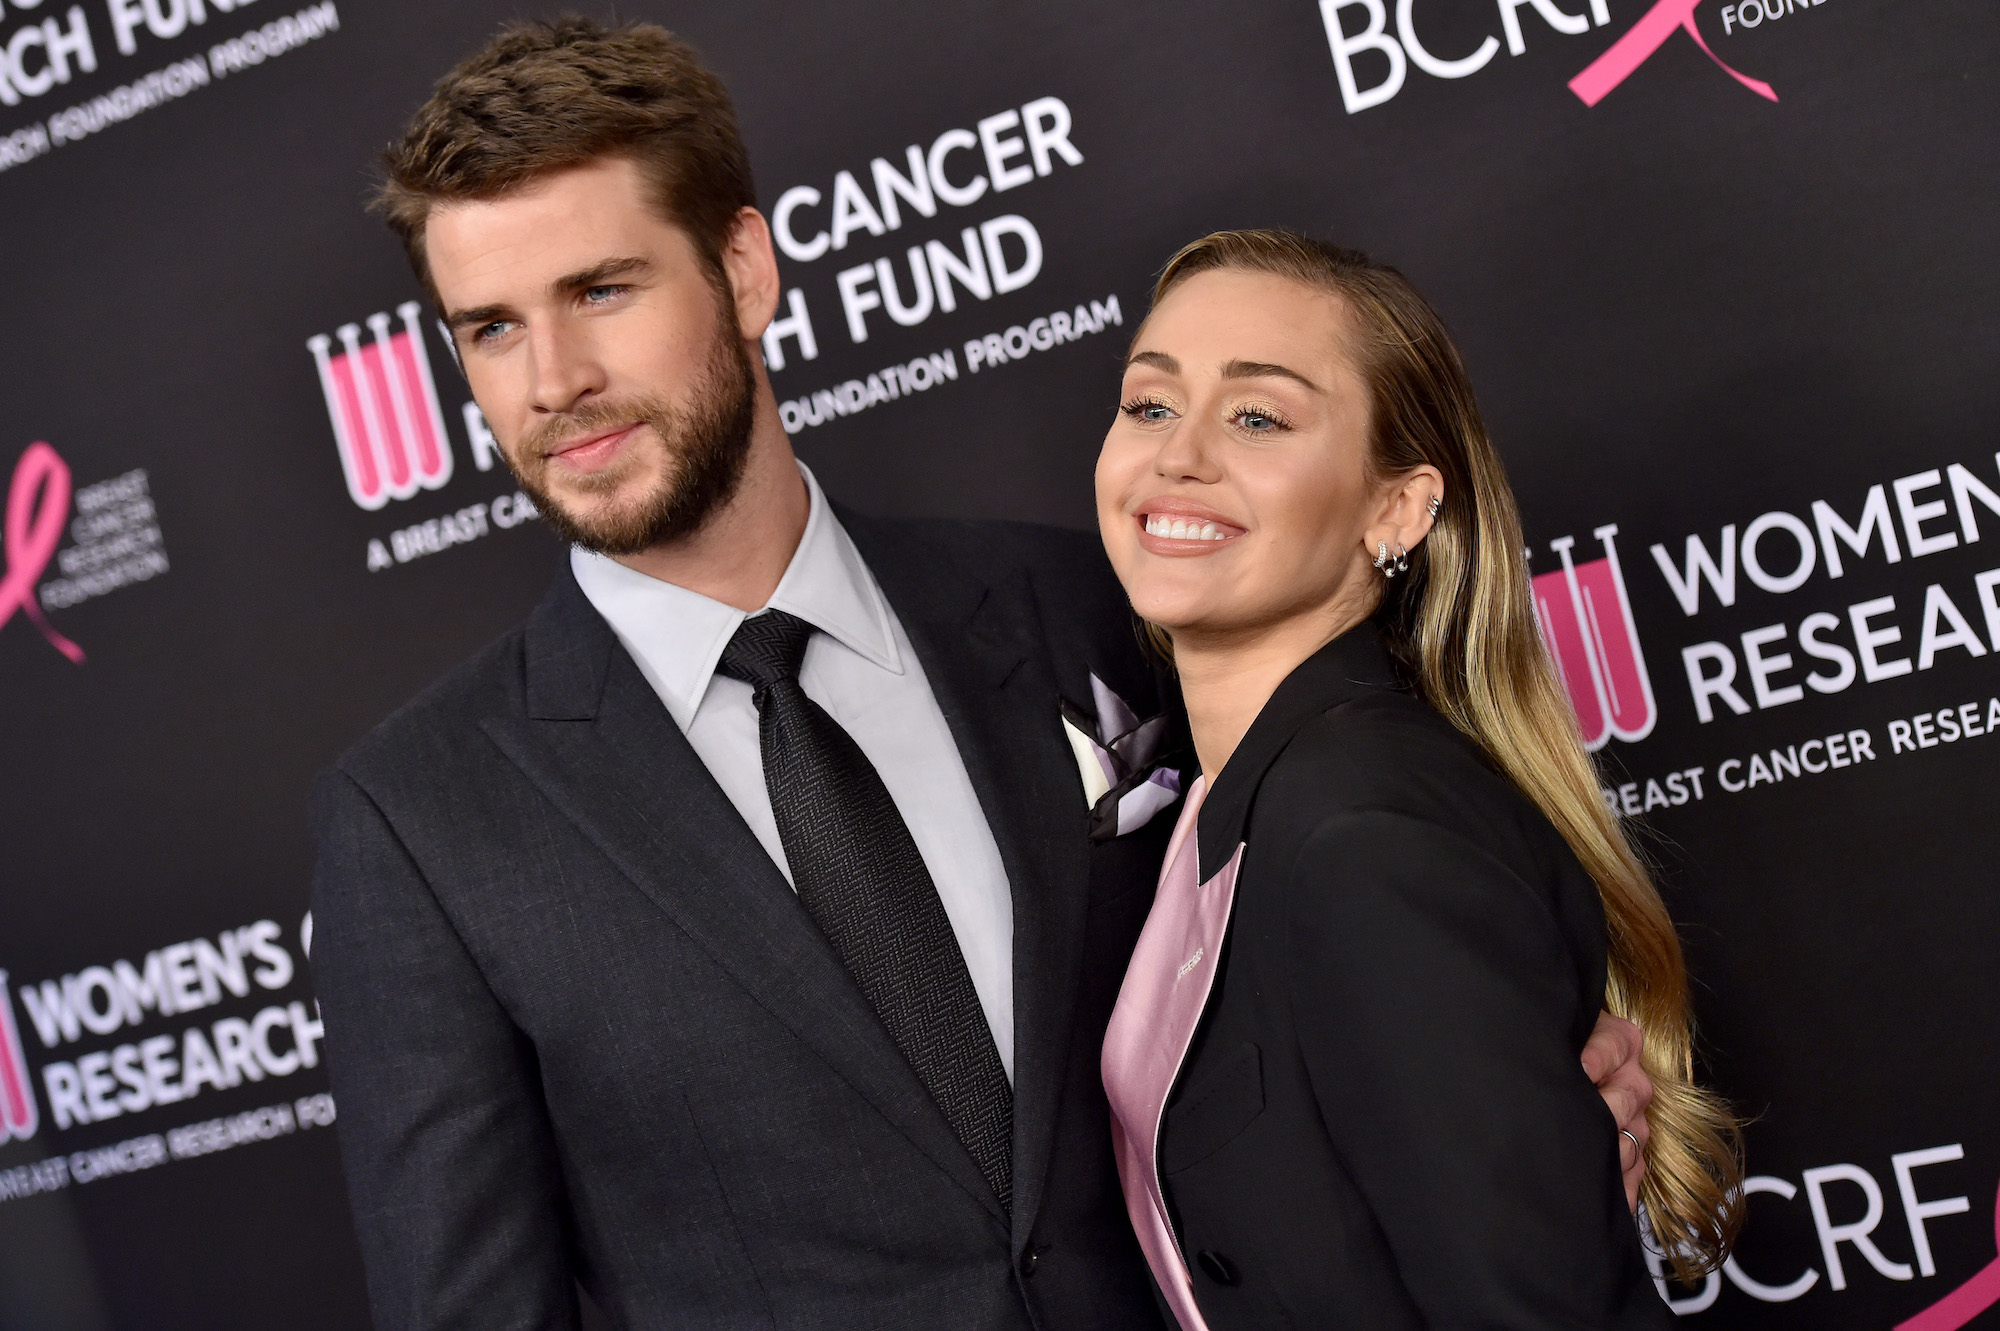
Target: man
x,y
732,938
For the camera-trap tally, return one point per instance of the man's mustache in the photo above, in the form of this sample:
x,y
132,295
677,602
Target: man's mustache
x,y
559,432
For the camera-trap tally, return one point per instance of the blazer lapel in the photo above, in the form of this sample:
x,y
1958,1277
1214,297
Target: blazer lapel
x,y
602,748
980,643
1352,664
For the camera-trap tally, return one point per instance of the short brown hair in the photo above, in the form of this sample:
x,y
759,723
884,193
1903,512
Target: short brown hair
x,y
543,96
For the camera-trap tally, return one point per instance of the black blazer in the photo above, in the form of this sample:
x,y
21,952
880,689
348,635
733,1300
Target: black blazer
x,y
580,1028
1382,1122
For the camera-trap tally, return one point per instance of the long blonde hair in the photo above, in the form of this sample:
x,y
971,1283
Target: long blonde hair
x,y
1461,623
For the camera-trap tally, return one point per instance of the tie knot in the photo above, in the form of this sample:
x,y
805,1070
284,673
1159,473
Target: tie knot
x,y
766,649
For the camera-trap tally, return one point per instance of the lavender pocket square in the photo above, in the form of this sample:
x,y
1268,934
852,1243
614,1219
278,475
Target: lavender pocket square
x,y
1117,757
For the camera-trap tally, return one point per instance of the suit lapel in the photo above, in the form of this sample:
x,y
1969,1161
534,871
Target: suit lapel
x,y
981,646
602,748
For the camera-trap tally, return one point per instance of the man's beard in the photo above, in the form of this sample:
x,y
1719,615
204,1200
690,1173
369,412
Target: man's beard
x,y
706,442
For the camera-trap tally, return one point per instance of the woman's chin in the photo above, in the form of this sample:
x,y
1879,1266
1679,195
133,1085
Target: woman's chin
x,y
1182,594
1178,616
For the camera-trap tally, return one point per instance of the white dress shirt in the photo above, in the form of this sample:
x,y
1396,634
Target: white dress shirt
x,y
860,668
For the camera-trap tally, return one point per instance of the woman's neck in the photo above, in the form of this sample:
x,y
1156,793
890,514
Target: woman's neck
x,y
1226,678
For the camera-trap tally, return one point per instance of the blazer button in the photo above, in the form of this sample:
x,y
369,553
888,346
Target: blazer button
x,y
1029,1259
1217,1267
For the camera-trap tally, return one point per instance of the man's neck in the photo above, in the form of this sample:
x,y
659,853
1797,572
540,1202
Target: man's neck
x,y
740,555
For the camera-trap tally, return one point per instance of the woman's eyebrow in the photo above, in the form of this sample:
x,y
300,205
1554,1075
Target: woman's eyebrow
x,y
1236,369
1256,369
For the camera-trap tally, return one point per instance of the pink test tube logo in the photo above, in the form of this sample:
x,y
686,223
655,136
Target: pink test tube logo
x,y
1586,621
18,1116
384,407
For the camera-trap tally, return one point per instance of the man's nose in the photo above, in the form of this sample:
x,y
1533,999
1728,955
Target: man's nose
x,y
566,368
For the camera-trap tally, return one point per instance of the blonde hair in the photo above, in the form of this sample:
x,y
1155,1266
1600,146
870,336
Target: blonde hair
x,y
1461,624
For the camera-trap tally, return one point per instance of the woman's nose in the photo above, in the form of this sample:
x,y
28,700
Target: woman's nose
x,y
1187,454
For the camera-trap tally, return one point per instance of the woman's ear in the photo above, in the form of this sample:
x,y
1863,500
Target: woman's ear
x,y
1410,506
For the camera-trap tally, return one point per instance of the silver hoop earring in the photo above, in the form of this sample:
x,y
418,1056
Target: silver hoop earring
x,y
1437,502
1402,560
1382,560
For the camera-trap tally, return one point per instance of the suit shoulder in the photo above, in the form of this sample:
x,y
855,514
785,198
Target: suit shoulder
x,y
432,730
1389,752
1068,568
1384,773
1377,744
1032,547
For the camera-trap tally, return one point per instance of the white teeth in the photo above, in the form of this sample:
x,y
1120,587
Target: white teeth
x,y
1181,529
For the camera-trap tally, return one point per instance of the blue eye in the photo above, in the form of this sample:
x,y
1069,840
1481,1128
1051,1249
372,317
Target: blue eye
x,y
1147,409
492,331
1255,420
599,295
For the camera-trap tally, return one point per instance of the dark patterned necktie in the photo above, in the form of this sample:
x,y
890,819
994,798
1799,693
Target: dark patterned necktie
x,y
860,877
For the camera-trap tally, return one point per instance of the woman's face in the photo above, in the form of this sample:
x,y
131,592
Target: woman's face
x,y
1232,491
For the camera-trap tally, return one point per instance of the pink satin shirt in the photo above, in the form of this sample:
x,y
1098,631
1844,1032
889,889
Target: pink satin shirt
x,y
1166,987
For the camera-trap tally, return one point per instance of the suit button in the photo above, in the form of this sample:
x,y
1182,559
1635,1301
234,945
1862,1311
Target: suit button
x,y
1028,1262
1217,1267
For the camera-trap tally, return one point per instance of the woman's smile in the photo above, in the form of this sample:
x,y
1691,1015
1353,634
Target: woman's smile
x,y
1180,528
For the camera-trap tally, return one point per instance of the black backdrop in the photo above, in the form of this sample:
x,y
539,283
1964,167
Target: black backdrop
x,y
1687,307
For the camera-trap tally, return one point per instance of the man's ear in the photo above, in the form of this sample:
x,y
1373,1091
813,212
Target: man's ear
x,y
752,267
1406,514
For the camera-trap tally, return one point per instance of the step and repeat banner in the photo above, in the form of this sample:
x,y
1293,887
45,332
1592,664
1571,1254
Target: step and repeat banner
x,y
1724,273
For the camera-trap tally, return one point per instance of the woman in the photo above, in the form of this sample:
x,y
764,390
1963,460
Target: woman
x,y
1343,1066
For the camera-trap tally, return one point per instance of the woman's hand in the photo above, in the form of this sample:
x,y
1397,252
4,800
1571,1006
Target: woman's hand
x,y
1611,1060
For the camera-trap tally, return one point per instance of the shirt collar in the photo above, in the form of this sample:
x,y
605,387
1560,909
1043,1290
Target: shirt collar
x,y
677,636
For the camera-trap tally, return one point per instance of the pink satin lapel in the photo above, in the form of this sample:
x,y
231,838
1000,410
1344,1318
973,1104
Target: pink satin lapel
x,y
1160,1005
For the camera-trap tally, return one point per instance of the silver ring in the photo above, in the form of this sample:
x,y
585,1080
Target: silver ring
x,y
1634,1140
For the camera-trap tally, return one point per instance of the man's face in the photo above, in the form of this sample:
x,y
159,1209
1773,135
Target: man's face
x,y
609,366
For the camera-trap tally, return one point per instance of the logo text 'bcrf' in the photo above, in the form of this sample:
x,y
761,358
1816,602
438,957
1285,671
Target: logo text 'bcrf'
x,y
384,407
1391,54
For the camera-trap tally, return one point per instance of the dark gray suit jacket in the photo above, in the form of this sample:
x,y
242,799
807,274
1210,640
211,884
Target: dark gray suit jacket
x,y
581,1030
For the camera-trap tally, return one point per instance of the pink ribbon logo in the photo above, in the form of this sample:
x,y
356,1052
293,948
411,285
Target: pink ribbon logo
x,y
1974,1297
1637,46
37,509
